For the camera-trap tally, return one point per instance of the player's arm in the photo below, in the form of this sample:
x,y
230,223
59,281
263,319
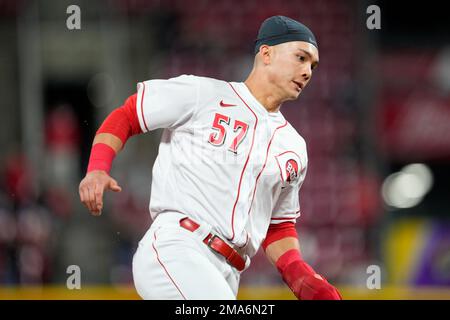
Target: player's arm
x,y
282,248
110,138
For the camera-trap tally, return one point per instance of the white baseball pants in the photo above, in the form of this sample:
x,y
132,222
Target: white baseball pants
x,y
173,263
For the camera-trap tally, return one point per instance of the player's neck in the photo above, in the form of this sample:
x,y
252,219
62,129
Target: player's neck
x,y
259,89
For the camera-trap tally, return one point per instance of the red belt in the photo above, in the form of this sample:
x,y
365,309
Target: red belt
x,y
217,244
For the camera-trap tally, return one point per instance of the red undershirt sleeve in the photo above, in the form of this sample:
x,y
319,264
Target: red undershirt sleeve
x,y
123,122
279,231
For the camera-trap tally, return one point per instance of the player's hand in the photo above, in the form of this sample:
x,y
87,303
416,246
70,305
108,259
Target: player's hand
x,y
92,187
316,287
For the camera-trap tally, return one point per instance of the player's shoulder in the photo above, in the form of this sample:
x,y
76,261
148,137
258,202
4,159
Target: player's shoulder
x,y
183,79
192,77
290,145
208,85
209,82
294,137
291,140
211,87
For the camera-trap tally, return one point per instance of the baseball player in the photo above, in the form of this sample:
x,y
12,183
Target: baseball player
x,y
227,177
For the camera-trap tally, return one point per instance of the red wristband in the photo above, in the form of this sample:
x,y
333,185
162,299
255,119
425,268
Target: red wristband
x,y
102,156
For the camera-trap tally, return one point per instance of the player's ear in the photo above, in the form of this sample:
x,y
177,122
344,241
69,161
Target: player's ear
x,y
266,53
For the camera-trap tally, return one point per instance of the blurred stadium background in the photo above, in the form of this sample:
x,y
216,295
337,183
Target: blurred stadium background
x,y
376,118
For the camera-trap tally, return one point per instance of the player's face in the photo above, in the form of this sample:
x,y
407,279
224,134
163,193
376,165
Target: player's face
x,y
292,65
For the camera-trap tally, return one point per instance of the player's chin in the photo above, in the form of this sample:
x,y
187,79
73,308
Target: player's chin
x,y
293,95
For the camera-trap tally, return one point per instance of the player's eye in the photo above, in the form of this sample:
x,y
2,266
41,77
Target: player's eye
x,y
301,58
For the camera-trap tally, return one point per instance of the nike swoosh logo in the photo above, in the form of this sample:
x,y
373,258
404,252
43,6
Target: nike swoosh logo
x,y
222,104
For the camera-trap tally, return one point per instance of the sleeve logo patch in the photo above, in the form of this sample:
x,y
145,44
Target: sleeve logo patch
x,y
290,166
291,170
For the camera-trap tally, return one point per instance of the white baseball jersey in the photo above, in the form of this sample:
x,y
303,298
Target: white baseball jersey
x,y
223,158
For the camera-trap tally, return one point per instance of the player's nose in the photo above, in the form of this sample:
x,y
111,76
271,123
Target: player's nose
x,y
306,73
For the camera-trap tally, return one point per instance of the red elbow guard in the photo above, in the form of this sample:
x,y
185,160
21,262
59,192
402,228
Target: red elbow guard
x,y
304,282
